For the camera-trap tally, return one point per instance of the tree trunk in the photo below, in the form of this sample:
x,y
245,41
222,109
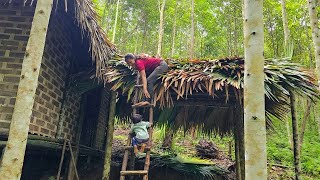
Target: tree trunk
x,y
13,157
304,123
107,20
254,102
160,37
110,130
115,22
191,51
174,29
285,23
105,13
312,5
295,137
315,34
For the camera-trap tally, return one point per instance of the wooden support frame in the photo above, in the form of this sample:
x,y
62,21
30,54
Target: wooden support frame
x,y
71,172
13,157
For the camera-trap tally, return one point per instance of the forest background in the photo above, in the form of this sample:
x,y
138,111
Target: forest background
x,y
210,29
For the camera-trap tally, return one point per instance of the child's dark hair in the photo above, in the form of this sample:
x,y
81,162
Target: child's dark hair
x,y
136,118
129,56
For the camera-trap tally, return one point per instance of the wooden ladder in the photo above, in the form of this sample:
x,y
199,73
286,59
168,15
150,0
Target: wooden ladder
x,y
124,172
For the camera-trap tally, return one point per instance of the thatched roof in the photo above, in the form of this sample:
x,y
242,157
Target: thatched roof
x,y
101,49
203,93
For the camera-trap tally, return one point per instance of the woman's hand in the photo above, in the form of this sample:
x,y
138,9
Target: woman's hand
x,y
146,93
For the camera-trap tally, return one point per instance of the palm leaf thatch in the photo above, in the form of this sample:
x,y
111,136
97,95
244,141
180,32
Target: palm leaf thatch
x,y
203,93
192,168
101,49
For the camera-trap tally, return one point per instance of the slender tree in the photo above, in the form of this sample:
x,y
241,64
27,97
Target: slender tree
x,y
13,157
254,102
296,152
161,6
285,23
191,50
312,5
174,29
115,22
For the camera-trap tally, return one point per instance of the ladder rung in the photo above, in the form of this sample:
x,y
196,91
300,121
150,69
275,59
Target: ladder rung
x,y
135,106
128,173
131,148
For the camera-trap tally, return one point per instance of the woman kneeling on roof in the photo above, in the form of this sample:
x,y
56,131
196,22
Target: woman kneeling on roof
x,y
150,69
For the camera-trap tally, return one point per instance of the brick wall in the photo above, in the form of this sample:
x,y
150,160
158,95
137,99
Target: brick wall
x,y
102,119
15,25
52,94
64,49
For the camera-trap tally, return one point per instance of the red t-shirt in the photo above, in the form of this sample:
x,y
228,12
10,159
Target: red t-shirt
x,y
147,64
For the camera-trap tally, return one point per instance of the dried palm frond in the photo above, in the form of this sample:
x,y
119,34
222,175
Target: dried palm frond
x,y
222,80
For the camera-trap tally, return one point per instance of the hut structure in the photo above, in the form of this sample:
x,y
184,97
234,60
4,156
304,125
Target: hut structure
x,y
71,104
208,94
73,42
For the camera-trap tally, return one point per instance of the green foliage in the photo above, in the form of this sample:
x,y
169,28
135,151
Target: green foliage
x,y
279,151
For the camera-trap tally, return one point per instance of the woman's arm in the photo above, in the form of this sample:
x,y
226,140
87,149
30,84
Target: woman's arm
x,y
144,83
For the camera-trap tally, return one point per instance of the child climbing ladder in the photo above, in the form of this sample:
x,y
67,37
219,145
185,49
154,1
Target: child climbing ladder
x,y
140,133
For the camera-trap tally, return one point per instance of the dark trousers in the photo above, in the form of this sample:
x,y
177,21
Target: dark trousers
x,y
136,141
154,76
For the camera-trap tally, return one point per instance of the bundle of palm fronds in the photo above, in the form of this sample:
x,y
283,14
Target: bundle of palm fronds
x,y
192,168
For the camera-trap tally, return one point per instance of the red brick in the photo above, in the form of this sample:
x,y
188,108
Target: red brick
x,y
14,65
4,109
14,79
36,114
7,12
12,101
13,31
21,37
40,122
17,54
4,36
8,117
10,43
51,126
5,125
45,131
17,19
6,24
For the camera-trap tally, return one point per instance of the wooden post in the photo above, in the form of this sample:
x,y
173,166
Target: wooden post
x,y
110,130
241,141
147,161
71,171
13,157
237,141
296,153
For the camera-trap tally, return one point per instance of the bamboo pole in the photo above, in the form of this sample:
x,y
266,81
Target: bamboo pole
x,y
73,160
110,130
296,152
62,158
13,157
83,107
